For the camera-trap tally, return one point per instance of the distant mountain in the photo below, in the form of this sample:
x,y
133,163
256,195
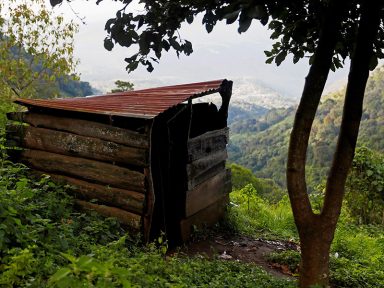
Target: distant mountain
x,y
250,91
261,143
252,100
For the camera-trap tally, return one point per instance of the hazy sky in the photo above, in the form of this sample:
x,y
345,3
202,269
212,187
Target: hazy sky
x,y
221,54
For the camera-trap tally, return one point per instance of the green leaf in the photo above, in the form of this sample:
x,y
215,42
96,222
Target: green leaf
x,y
174,44
84,261
144,44
269,60
189,18
244,24
231,17
257,12
280,57
59,275
55,2
108,44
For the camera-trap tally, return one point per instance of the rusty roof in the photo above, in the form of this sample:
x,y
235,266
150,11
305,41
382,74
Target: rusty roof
x,y
146,103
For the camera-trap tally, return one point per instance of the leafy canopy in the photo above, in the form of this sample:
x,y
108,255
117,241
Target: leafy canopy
x,y
35,46
295,27
122,86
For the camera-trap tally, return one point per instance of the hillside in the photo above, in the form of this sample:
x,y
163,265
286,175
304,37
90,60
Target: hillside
x,y
45,87
64,87
261,143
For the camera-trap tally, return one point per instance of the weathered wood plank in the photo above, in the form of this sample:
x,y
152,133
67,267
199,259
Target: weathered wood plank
x,y
150,205
193,182
208,192
103,173
124,217
201,165
206,217
77,145
207,143
83,127
128,200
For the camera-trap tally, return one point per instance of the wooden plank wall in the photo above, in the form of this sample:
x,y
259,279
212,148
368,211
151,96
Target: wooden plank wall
x,y
209,182
99,161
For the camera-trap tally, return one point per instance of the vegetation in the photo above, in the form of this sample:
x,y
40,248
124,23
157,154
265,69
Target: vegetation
x,y
357,252
36,55
261,143
44,241
327,33
122,86
365,187
36,47
266,188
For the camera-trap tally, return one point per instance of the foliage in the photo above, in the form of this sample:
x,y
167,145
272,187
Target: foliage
x,y
36,47
45,242
264,150
365,187
37,222
110,267
122,86
357,251
266,188
295,26
255,216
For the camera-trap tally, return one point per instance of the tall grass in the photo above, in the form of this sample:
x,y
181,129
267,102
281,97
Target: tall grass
x,y
357,252
255,216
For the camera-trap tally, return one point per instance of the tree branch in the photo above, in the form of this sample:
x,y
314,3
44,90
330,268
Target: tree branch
x,y
305,114
353,106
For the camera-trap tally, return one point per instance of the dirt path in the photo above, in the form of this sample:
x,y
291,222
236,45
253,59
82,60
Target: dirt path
x,y
240,248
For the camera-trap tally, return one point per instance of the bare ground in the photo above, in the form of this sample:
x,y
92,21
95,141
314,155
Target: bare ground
x,y
230,247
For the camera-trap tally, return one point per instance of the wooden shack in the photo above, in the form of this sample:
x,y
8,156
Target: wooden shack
x,y
153,158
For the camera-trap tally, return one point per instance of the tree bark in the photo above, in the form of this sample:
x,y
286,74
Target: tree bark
x,y
314,250
305,114
317,231
353,108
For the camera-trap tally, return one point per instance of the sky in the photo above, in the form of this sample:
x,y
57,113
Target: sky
x,y
224,53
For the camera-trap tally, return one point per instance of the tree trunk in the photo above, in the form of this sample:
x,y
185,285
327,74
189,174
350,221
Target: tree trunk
x,y
315,246
315,258
317,231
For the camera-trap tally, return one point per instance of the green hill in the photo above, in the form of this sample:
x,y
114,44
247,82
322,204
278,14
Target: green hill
x,y
261,143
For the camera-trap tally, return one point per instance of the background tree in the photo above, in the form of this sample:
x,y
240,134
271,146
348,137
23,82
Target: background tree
x,y
365,187
36,47
122,86
327,32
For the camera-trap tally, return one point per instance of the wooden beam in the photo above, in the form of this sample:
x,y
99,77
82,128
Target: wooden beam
x,y
102,173
206,167
207,143
150,205
212,171
128,200
83,127
204,218
124,217
208,192
201,165
77,145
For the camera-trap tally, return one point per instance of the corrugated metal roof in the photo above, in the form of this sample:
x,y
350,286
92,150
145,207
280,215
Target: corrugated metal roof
x,y
146,103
